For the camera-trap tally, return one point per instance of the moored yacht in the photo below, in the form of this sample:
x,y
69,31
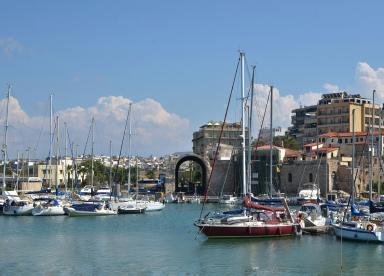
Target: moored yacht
x,y
89,209
17,208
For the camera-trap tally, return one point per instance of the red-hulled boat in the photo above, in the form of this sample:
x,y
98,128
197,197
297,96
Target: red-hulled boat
x,y
254,221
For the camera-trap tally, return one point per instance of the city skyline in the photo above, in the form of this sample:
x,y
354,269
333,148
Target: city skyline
x,y
175,62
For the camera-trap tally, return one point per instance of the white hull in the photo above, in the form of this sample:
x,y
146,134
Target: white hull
x,y
152,206
75,213
18,210
48,211
357,234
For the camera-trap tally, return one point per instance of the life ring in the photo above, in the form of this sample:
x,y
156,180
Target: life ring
x,y
370,227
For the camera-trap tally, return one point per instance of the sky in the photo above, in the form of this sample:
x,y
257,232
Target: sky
x,y
175,62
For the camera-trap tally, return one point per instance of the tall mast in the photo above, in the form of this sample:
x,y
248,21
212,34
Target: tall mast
x,y
271,146
353,159
129,147
93,142
5,150
242,56
57,155
371,155
380,149
250,132
50,142
17,172
137,178
65,158
110,165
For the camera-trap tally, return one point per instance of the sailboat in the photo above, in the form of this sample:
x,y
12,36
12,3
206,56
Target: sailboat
x,y
90,208
12,204
253,220
360,229
52,207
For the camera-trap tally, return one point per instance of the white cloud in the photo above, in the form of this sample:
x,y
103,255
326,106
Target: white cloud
x,y
9,46
282,105
155,130
331,88
370,79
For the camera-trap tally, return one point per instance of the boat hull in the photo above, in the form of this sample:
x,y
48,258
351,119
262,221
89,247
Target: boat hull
x,y
48,211
17,211
76,213
131,211
357,234
247,231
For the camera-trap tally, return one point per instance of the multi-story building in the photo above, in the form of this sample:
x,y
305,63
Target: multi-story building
x,y
304,124
208,136
334,113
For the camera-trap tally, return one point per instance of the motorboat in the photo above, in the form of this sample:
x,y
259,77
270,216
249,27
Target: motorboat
x,y
152,206
131,209
312,216
86,192
51,208
104,193
17,207
89,209
309,192
229,199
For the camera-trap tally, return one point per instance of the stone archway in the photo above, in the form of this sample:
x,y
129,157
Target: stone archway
x,y
204,173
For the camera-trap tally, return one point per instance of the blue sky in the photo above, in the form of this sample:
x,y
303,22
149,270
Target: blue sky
x,y
182,54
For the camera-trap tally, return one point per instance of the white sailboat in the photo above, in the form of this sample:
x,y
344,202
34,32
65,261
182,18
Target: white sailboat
x,y
361,230
53,207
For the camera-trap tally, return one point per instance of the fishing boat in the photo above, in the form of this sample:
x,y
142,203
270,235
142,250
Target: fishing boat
x,y
89,209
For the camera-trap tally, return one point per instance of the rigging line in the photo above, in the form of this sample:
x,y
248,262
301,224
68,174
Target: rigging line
x,y
355,176
86,142
121,149
262,121
219,142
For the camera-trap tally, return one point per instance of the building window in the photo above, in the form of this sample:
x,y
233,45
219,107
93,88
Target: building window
x,y
290,178
310,177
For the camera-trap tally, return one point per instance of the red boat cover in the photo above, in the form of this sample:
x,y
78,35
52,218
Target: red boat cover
x,y
247,203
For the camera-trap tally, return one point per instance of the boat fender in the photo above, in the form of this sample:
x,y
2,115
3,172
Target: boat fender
x,y
370,227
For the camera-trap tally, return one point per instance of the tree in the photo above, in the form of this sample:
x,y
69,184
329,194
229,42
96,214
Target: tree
x,y
150,173
286,141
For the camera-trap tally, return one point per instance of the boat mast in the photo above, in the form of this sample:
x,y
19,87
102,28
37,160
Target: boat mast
x,y
380,149
50,143
137,178
271,147
57,155
110,166
129,148
250,132
242,56
65,158
371,155
5,150
93,142
353,159
17,172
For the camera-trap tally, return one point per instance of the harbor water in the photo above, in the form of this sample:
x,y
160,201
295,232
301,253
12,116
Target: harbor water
x,y
167,243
